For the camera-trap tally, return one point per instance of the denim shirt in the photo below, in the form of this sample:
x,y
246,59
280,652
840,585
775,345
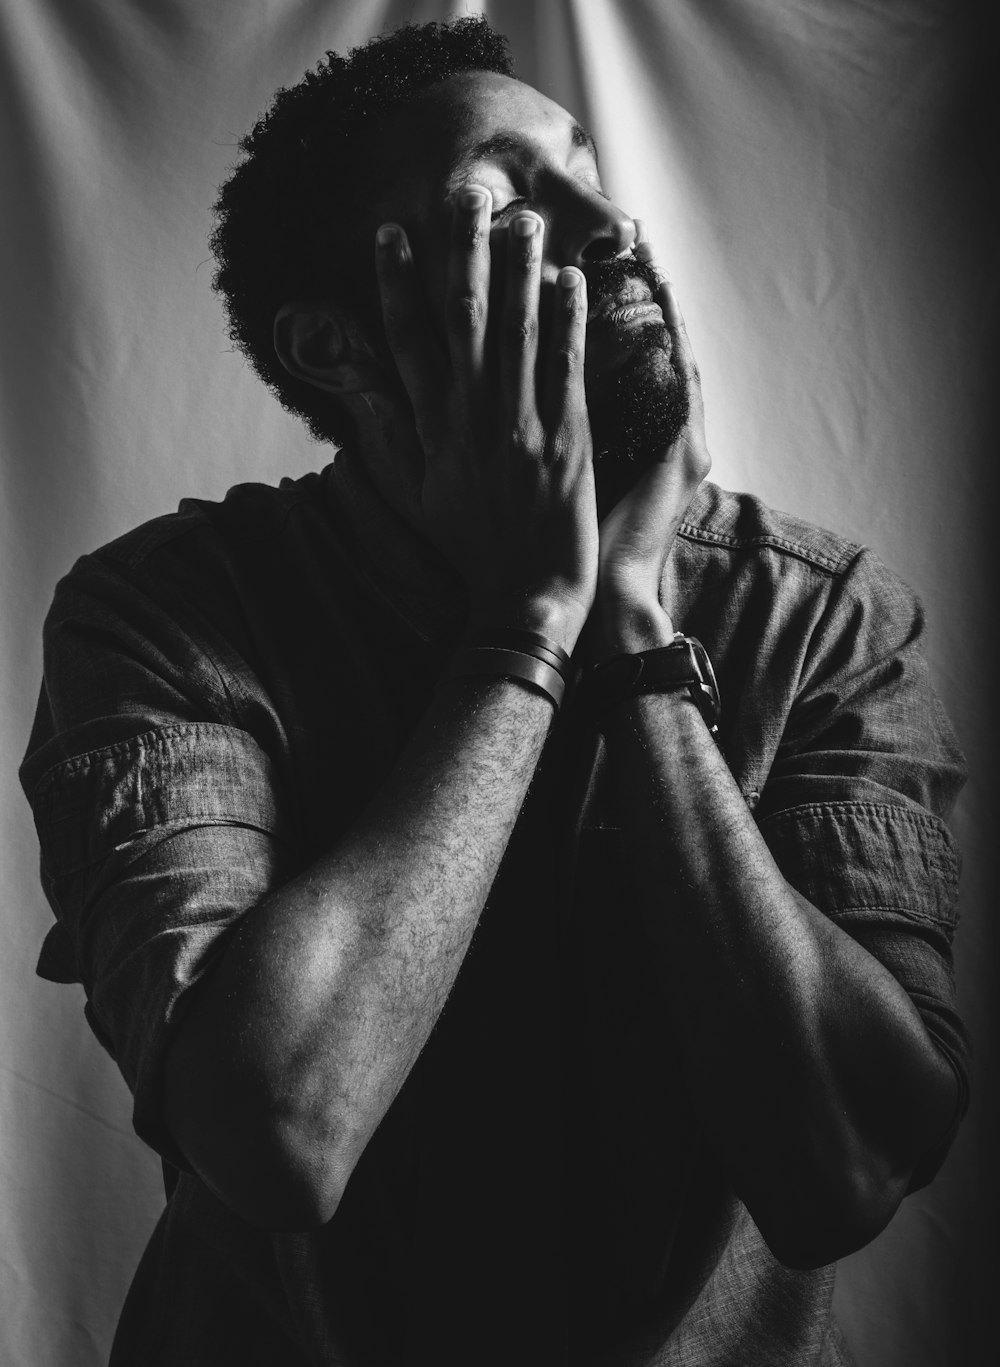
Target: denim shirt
x,y
227,687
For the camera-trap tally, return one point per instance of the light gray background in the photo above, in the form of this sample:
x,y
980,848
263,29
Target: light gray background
x,y
817,178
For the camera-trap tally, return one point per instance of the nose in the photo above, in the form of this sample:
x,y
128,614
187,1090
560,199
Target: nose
x,y
602,231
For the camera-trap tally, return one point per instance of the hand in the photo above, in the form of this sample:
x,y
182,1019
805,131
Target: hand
x,y
637,535
507,492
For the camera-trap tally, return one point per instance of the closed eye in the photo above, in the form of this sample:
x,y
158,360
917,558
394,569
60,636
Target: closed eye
x,y
521,203
508,207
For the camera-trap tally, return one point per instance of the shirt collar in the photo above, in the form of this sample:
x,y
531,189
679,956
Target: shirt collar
x,y
401,567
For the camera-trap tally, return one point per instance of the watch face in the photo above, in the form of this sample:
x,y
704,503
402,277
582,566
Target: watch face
x,y
705,667
712,706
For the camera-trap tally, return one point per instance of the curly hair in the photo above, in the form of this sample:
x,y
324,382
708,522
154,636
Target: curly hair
x,y
283,220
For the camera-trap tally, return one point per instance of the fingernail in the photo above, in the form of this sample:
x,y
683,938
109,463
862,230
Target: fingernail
x,y
525,225
386,235
471,198
569,278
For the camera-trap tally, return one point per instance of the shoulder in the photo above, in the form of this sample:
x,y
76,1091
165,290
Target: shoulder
x,y
735,553
790,612
195,564
248,514
157,627
740,524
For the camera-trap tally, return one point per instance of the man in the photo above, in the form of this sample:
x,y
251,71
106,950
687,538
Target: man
x,y
496,986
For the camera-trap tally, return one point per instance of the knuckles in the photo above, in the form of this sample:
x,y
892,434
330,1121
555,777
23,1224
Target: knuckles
x,y
559,447
521,331
566,362
525,443
524,260
466,312
469,234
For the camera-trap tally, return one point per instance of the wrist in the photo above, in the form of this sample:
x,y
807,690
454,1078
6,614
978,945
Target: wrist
x,y
625,626
681,669
560,622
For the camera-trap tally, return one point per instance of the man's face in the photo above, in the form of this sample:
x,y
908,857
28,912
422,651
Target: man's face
x,y
493,131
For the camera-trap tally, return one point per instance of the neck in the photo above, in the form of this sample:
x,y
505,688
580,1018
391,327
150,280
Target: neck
x,y
386,445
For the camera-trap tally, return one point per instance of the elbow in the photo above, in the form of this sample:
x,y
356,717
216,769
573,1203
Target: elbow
x,y
834,1218
265,1132
828,1190
277,1173
298,1185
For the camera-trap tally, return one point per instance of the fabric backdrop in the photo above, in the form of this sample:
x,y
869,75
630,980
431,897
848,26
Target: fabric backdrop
x,y
819,176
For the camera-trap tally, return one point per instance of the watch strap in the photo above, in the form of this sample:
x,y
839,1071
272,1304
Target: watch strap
x,y
683,665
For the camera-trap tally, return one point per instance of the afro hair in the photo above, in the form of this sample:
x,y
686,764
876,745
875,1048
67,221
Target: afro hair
x,y
283,218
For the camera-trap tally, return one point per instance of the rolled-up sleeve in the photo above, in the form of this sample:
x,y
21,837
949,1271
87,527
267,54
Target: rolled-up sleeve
x,y
157,812
152,848
855,806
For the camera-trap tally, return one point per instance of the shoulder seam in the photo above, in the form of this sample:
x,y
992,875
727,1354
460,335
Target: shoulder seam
x,y
147,544
769,541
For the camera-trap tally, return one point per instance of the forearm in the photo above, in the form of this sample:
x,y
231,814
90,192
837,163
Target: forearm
x,y
303,1034
815,1080
306,1029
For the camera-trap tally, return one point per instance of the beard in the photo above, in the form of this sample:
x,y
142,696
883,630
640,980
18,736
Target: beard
x,y
638,401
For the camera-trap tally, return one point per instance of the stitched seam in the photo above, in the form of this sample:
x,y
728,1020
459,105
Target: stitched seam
x,y
169,828
840,810
140,548
196,820
770,541
153,739
936,921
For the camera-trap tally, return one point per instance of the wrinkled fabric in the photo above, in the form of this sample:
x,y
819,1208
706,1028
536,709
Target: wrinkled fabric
x,y
225,689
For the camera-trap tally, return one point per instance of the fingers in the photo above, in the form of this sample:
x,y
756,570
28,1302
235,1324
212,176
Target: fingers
x,y
514,390
682,352
519,330
407,323
667,299
468,287
564,404
643,248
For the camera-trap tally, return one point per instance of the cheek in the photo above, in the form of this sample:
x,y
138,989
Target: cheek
x,y
432,252
429,238
640,367
432,271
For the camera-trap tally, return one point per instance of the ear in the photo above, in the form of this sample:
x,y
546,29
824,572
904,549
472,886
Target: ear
x,y
317,344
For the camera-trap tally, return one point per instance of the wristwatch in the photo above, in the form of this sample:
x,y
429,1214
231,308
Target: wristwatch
x,y
683,664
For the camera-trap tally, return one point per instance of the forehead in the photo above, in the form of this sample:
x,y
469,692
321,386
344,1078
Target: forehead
x,y
479,116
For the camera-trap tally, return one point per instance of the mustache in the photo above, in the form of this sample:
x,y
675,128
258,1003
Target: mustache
x,y
608,278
